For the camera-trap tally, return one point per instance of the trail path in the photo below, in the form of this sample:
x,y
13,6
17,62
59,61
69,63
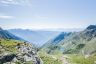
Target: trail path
x,y
64,59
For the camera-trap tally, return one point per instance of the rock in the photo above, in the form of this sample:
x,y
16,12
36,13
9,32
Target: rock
x,y
0,47
7,58
7,63
24,54
15,60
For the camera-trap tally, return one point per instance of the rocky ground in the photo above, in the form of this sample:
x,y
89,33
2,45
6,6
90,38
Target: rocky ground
x,y
25,54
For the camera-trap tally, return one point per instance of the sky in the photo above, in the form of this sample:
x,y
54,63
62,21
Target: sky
x,y
47,14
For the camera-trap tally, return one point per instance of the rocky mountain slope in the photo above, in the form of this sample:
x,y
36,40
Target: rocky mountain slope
x,y
12,51
83,42
15,51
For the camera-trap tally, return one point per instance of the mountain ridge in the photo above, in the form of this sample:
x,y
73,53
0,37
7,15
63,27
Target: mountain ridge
x,y
7,35
36,37
76,42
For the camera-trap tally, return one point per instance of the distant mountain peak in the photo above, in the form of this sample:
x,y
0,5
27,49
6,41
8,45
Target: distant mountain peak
x,y
91,27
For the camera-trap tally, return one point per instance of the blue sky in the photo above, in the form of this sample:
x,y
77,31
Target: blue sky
x,y
44,14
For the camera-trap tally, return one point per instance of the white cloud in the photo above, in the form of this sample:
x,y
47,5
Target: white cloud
x,y
16,2
6,17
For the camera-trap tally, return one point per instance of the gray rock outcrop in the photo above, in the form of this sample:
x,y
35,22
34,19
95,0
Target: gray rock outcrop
x,y
26,53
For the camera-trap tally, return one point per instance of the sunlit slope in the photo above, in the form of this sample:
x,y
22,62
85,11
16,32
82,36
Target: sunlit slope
x,y
8,45
52,46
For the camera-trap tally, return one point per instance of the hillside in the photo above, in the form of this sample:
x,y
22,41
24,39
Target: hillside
x,y
83,42
14,50
17,52
4,34
52,46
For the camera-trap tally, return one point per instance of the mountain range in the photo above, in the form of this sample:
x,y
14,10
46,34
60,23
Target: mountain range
x,y
57,45
83,42
37,37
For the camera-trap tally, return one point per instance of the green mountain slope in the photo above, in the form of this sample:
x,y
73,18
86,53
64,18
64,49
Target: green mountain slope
x,y
83,42
51,47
